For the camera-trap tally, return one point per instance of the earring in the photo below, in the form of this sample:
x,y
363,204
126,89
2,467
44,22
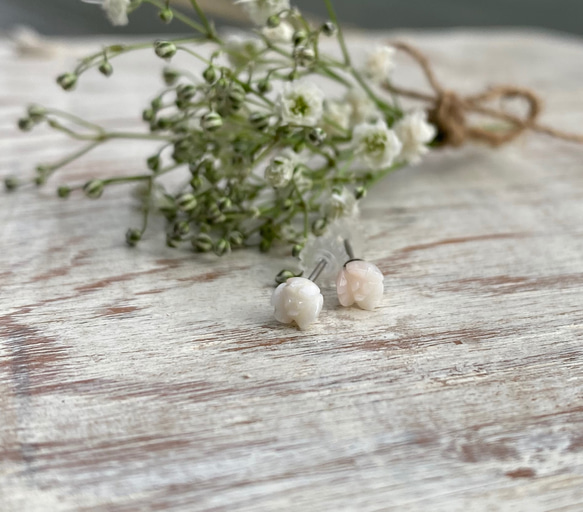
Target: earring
x,y
359,282
299,299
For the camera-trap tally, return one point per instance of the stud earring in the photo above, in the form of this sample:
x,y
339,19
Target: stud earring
x,y
299,299
359,282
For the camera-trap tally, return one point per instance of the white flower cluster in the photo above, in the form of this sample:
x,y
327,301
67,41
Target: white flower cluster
x,y
260,10
301,104
116,10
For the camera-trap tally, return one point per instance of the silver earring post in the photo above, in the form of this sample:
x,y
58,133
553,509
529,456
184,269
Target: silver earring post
x,y
318,270
349,251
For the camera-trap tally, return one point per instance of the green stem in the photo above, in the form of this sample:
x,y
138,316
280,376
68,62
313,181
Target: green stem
x,y
211,34
341,40
180,17
72,157
126,179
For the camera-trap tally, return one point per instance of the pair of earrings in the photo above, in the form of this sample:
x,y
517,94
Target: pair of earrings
x,y
299,299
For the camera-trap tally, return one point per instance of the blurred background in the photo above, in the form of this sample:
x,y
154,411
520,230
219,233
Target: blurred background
x,y
72,17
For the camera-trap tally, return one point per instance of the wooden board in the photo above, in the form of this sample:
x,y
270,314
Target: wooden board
x,y
154,379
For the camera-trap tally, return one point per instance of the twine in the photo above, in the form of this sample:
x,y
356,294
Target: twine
x,y
449,110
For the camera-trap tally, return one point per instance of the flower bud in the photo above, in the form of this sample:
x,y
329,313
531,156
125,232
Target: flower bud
x,y
264,86
273,21
64,191
11,183
170,76
202,243
196,182
293,75
329,29
165,49
222,247
153,163
215,216
360,192
105,68
224,203
297,249
37,113
304,55
317,136
133,236
173,240
187,202
166,15
25,124
236,95
182,228
42,173
148,115
67,81
186,91
94,188
259,120
211,121
210,74
236,238
283,276
299,37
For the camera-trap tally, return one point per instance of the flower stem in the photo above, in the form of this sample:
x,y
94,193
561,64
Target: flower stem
x,y
341,40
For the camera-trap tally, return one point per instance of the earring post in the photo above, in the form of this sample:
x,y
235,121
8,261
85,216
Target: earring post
x,y
349,249
318,270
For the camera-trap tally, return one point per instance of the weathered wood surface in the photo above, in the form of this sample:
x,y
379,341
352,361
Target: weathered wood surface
x,y
151,379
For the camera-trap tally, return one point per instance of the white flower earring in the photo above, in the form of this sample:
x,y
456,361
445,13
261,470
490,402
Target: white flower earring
x,y
299,299
359,282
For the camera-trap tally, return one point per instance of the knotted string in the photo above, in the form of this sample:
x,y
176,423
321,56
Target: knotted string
x,y
449,110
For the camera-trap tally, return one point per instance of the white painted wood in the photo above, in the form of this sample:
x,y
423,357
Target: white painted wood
x,y
154,379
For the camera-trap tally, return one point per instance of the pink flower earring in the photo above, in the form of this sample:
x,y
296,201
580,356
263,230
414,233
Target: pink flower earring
x,y
359,282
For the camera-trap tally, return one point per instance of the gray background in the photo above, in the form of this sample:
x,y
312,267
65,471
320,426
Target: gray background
x,y
73,17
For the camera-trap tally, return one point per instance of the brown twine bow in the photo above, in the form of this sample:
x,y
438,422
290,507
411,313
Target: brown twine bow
x,y
449,110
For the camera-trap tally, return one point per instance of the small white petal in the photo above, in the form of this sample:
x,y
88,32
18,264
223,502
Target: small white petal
x,y
376,144
260,10
301,103
117,11
415,133
380,63
283,33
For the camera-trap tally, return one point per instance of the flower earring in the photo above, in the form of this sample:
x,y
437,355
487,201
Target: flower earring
x,y
359,282
299,299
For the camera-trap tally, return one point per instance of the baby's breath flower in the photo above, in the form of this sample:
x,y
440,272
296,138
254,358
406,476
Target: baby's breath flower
x,y
341,204
301,104
282,33
415,133
376,144
363,108
281,169
380,63
260,10
338,115
241,50
116,10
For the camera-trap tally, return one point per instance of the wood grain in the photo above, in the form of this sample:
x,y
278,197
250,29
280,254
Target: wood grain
x,y
153,379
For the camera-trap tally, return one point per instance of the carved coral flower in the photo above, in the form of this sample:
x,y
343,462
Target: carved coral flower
x,y
297,300
360,282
